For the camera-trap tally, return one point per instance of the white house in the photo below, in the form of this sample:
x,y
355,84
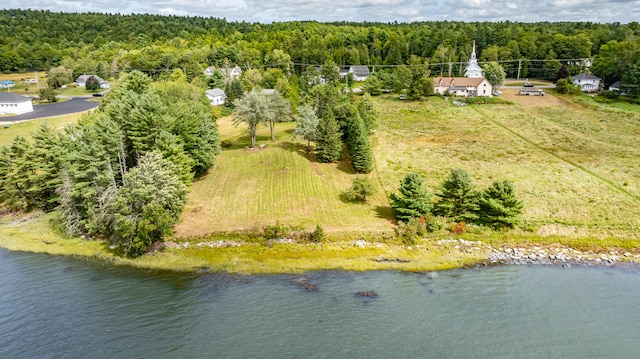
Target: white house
x,y
210,70
473,70
216,96
587,82
462,86
12,103
235,72
360,73
82,81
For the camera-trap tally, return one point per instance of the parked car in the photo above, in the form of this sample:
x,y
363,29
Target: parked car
x,y
98,94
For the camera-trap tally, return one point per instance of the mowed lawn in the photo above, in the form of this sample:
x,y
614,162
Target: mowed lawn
x,y
10,131
280,182
576,168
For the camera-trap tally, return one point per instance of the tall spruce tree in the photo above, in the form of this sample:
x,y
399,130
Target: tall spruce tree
x,y
458,197
359,146
328,140
413,201
499,205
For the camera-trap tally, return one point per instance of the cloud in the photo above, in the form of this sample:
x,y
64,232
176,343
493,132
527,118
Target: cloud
x,y
623,11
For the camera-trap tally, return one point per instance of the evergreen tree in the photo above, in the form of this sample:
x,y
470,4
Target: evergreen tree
x,y
148,204
414,200
50,154
359,147
328,140
17,166
458,198
368,113
499,206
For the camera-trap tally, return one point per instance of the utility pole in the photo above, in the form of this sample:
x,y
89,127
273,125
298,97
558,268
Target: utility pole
x,y
37,82
519,66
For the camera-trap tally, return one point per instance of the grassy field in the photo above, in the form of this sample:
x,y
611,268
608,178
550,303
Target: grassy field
x,y
576,168
7,134
21,86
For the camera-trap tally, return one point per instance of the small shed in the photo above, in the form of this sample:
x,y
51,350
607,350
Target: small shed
x,y
216,96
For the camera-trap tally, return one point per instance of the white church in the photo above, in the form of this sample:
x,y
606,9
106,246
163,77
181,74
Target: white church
x,y
473,84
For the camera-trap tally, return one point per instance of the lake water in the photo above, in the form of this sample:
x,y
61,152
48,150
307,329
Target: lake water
x,y
56,307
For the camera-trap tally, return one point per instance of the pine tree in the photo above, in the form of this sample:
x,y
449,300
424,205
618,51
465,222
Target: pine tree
x,y
414,200
499,206
328,140
148,204
458,198
368,112
359,147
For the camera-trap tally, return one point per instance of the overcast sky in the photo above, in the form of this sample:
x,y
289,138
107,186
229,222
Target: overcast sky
x,y
266,11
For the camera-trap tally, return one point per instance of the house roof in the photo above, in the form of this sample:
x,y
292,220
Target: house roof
x,y
458,81
215,92
10,97
360,70
615,85
7,82
585,76
268,91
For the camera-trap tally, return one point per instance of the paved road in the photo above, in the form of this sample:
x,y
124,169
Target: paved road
x,y
76,104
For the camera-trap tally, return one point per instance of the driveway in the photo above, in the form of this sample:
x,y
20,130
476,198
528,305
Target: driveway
x,y
76,104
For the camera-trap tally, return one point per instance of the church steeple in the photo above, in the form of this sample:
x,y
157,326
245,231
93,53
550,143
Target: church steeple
x,y
473,70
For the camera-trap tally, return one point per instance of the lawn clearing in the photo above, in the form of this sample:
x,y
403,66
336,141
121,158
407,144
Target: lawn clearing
x,y
251,188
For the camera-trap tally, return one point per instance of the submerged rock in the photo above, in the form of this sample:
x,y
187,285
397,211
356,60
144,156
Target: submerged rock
x,y
367,294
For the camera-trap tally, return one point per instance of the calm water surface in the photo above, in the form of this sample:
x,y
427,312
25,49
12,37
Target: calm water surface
x,y
55,307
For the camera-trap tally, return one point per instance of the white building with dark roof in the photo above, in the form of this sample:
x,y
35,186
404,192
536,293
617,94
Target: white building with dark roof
x,y
587,82
14,104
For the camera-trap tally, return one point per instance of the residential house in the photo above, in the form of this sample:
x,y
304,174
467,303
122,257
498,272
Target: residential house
x,y
473,70
360,73
587,82
615,86
229,73
462,86
82,81
216,96
209,71
7,84
14,104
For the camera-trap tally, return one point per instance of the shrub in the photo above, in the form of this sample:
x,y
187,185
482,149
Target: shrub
x,y
360,189
317,235
275,231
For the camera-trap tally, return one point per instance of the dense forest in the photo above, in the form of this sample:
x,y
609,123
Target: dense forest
x,y
108,44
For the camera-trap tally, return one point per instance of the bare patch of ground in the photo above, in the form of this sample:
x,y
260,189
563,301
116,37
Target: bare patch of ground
x,y
511,94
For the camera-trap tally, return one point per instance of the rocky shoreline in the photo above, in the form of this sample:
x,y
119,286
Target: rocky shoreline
x,y
550,255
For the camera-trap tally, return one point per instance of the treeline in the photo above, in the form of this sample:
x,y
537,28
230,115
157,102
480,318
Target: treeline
x,y
122,172
110,44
